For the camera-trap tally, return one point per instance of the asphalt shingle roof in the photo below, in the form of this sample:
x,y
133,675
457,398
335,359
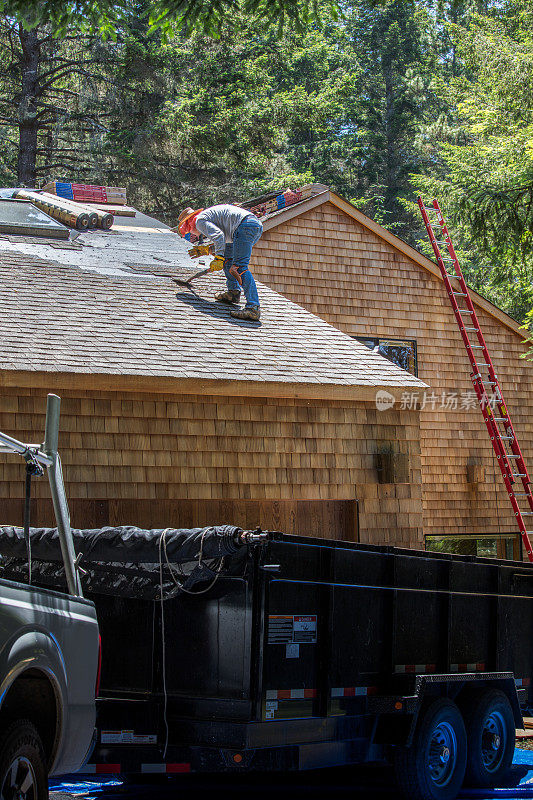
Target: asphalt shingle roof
x,y
111,308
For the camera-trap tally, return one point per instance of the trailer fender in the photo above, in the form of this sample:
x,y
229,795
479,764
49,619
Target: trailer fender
x,y
506,685
397,715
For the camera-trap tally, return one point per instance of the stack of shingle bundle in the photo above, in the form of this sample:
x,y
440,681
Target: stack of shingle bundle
x,y
275,203
86,193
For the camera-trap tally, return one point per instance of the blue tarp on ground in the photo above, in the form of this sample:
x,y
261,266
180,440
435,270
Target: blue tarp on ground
x,y
523,771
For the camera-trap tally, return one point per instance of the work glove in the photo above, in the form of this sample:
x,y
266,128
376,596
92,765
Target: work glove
x,y
216,264
199,250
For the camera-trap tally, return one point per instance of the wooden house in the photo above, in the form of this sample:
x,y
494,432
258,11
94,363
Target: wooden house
x,y
326,255
175,414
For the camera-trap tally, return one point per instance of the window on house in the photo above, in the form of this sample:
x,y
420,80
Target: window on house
x,y
506,545
400,351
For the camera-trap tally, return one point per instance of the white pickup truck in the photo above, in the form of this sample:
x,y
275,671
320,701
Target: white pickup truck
x,y
49,652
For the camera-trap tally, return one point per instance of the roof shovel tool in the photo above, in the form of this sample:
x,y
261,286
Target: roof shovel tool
x,y
187,284
214,266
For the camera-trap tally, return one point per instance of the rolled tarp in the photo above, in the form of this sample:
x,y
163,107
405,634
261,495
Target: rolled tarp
x,y
56,208
97,217
125,543
127,561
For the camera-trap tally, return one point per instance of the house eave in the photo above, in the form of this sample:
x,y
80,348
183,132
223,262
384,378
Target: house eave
x,y
61,381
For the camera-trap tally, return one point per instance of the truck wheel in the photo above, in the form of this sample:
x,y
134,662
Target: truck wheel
x,y
23,774
490,731
433,767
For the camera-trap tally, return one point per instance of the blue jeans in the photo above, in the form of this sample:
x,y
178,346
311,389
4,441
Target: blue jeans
x,y
239,253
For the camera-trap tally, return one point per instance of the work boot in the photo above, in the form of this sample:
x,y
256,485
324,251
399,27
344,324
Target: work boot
x,y
231,296
253,313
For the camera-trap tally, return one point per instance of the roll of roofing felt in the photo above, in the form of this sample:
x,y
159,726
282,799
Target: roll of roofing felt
x,y
105,219
78,208
56,209
97,217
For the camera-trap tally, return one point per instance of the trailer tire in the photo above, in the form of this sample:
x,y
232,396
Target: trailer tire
x,y
23,770
490,731
433,767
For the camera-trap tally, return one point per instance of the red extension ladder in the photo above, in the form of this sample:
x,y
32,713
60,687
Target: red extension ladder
x,y
491,400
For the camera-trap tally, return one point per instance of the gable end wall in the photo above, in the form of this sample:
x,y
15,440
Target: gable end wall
x,y
344,273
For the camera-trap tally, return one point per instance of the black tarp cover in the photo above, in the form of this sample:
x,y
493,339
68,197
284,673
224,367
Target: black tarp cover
x,y
122,560
124,543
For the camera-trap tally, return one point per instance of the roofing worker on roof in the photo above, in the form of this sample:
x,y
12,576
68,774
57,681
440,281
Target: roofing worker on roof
x,y
233,231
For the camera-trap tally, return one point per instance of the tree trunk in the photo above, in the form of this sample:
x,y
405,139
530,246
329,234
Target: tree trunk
x,y
28,121
390,133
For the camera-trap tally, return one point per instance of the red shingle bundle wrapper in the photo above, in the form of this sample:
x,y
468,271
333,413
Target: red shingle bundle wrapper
x,y
86,193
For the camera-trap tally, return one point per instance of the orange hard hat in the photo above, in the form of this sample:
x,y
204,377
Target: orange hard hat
x,y
187,219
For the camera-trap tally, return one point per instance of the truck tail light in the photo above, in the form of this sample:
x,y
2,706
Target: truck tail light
x,y
99,670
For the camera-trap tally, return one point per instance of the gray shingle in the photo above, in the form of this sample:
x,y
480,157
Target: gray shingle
x,y
89,312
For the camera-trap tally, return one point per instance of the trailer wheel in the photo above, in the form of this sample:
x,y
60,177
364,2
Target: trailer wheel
x,y
23,773
490,730
433,767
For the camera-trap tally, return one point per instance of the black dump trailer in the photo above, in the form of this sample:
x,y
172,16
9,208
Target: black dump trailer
x,y
280,652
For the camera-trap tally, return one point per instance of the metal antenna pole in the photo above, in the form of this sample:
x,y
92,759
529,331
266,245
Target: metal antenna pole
x,y
59,498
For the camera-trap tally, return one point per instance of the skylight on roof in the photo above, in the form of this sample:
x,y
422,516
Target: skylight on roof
x,y
22,217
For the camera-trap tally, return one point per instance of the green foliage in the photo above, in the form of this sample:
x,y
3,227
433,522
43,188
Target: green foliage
x,y
480,160
385,100
108,16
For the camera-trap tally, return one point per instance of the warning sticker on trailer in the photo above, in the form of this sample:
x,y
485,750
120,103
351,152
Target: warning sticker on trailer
x,y
304,629
127,737
294,629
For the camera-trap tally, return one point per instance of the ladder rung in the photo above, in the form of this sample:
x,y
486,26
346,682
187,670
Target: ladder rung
x,y
484,364
460,294
465,311
430,208
527,513
471,329
511,438
510,455
451,275
519,475
501,419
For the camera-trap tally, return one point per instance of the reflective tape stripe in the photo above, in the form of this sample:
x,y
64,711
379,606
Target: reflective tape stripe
x,y
110,769
290,694
167,769
353,691
478,667
412,668
100,769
